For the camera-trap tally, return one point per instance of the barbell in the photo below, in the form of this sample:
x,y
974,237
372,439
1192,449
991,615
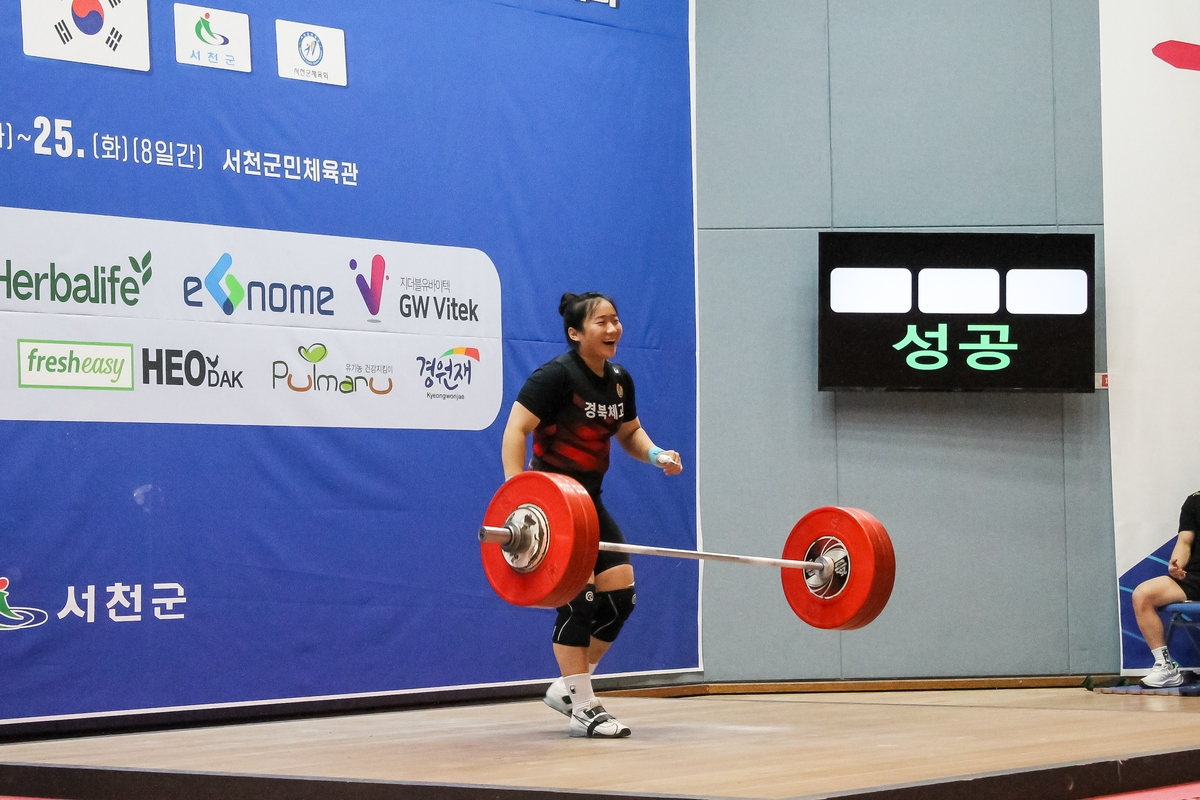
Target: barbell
x,y
540,537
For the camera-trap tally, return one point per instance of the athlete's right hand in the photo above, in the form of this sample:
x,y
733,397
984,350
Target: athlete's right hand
x,y
1175,571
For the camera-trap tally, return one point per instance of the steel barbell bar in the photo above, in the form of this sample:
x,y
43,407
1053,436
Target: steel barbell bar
x,y
505,537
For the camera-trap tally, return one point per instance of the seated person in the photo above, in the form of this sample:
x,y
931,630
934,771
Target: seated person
x,y
1180,584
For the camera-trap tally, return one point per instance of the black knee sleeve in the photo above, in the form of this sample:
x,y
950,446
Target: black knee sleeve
x,y
612,609
573,627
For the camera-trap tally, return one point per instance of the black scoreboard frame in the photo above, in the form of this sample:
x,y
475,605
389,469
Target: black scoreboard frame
x,y
1053,352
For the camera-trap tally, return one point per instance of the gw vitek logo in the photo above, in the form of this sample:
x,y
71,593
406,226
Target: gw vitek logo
x,y
372,293
279,298
46,364
174,368
16,617
318,382
104,286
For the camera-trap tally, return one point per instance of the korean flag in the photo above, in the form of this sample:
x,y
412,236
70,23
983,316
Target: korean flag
x,y
111,33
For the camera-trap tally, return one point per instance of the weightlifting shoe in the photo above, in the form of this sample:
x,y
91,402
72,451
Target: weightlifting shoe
x,y
594,722
558,697
1163,676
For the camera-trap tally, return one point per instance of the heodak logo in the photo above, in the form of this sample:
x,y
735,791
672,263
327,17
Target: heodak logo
x,y
16,617
310,377
103,286
187,367
49,364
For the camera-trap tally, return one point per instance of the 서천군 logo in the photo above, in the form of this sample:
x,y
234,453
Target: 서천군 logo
x,y
311,49
14,617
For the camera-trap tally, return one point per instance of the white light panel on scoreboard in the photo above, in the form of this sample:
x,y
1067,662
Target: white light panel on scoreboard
x,y
957,312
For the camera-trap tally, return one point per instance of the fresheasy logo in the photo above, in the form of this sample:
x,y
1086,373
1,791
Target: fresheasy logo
x,y
105,286
16,617
174,368
47,364
1181,55
313,355
277,297
372,293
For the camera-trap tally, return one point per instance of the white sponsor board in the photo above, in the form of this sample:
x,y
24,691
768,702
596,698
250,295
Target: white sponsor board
x,y
111,33
210,37
1151,112
244,326
311,52
201,372
61,263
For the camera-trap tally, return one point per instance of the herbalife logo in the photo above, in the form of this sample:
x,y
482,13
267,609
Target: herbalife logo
x,y
104,286
277,297
15,617
315,381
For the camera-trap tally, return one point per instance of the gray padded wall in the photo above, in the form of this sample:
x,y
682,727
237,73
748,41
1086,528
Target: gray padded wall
x,y
899,115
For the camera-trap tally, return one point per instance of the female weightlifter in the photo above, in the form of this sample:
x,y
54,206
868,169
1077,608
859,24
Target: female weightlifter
x,y
573,405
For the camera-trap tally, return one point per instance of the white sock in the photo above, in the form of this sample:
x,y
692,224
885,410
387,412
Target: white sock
x,y
580,689
592,668
1161,656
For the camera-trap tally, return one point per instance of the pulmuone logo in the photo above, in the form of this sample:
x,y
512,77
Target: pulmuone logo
x,y
104,286
314,381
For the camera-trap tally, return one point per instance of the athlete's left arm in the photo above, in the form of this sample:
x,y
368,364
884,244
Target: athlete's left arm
x,y
635,441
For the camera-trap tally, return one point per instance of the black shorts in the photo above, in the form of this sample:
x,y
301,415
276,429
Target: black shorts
x,y
609,532
1190,584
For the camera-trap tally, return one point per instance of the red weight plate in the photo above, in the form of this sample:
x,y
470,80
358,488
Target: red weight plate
x,y
885,571
585,514
872,568
574,540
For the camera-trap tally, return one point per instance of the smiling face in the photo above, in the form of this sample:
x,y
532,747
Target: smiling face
x,y
601,332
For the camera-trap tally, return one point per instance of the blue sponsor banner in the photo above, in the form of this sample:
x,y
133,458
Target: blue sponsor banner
x,y
154,561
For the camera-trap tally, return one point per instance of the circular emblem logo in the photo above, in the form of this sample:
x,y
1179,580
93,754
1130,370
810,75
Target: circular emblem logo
x,y
311,49
88,16
620,391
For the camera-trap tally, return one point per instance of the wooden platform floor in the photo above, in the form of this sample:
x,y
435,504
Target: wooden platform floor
x,y
750,746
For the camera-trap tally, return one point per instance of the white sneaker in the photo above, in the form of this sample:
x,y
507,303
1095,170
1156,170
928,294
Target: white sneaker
x,y
596,723
558,697
1163,676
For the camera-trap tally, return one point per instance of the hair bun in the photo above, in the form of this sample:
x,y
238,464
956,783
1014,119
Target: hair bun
x,y
567,299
